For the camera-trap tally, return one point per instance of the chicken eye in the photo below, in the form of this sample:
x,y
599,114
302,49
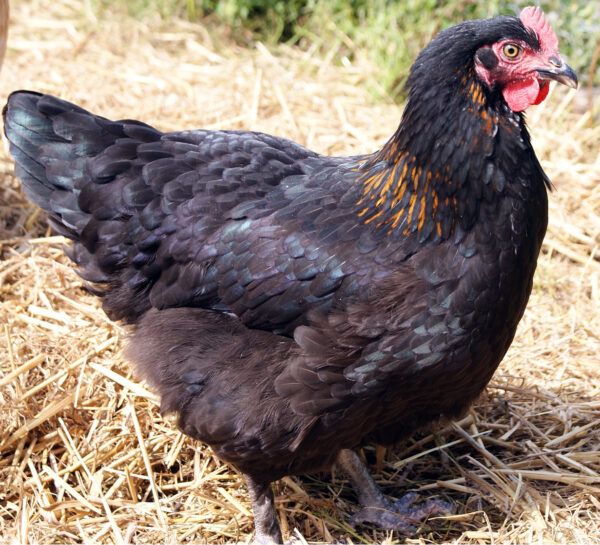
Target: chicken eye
x,y
511,51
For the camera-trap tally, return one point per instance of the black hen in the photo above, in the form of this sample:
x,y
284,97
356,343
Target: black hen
x,y
288,306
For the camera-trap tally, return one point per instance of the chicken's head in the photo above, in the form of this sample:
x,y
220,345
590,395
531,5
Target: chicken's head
x,y
523,68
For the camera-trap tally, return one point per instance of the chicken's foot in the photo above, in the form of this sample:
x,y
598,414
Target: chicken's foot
x,y
375,508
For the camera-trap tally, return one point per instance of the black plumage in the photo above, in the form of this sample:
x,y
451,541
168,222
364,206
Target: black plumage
x,y
287,305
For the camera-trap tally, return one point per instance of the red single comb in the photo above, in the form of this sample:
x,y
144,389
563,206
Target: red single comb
x,y
533,17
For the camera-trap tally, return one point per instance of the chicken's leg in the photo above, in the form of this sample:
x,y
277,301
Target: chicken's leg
x,y
375,508
266,527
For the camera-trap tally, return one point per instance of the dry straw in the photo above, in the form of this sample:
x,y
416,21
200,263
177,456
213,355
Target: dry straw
x,y
84,453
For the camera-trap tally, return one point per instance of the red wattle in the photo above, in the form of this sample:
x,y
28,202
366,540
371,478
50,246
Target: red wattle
x,y
544,88
519,95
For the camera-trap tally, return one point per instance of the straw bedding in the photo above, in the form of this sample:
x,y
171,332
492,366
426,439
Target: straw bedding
x,y
84,452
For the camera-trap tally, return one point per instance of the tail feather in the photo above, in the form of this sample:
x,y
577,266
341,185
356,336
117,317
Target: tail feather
x,y
24,137
78,166
53,142
46,160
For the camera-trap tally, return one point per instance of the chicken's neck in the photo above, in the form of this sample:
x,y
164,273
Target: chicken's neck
x,y
428,177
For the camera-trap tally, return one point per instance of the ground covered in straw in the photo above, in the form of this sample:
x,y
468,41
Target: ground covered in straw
x,y
84,453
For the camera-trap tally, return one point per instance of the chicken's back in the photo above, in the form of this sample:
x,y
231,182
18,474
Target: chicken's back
x,y
192,218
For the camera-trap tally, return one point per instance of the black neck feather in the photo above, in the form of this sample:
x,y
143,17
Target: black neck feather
x,y
456,140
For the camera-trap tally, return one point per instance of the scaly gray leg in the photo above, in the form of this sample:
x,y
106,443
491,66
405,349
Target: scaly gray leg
x,y
378,510
266,527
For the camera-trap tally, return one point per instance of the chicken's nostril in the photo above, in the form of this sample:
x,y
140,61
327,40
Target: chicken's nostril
x,y
555,61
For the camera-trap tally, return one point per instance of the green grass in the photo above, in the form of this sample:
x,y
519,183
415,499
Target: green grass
x,y
392,33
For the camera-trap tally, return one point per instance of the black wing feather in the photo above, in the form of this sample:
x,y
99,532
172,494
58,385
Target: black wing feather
x,y
234,220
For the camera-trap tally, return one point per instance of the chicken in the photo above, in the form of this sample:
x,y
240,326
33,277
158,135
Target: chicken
x,y
290,307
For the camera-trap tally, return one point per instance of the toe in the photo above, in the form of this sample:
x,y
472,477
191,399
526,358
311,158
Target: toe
x,y
399,515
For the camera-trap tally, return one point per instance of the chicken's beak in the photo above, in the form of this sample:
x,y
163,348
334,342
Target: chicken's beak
x,y
558,70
